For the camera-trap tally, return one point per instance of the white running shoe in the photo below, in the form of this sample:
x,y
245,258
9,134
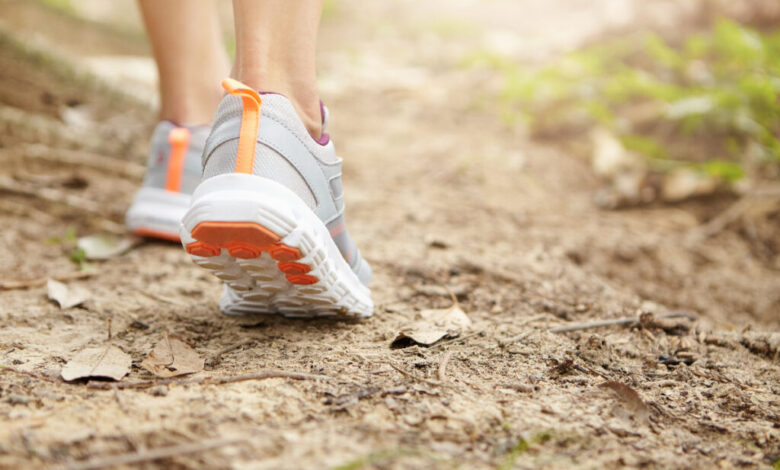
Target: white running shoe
x,y
173,171
268,217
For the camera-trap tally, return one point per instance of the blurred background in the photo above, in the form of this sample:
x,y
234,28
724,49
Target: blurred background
x,y
545,162
665,111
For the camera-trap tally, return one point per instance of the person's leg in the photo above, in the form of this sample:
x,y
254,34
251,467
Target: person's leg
x,y
191,61
268,215
276,42
191,58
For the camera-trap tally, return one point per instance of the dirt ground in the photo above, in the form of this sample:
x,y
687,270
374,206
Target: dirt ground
x,y
441,196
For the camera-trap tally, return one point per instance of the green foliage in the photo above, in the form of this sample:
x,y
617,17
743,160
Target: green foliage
x,y
68,242
511,457
521,448
714,95
330,9
64,6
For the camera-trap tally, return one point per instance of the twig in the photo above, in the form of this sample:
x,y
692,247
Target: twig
x,y
159,298
443,365
616,321
266,374
217,357
146,455
414,377
514,339
25,284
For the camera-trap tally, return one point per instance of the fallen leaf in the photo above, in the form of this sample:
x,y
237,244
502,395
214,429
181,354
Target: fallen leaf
x,y
66,297
629,397
106,362
435,325
101,247
172,357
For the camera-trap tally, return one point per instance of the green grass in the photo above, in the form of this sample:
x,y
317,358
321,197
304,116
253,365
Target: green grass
x,y
714,97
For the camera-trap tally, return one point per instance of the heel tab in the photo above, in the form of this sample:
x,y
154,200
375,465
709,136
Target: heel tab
x,y
179,140
250,119
236,88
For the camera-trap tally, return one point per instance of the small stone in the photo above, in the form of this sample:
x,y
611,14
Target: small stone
x,y
158,391
16,399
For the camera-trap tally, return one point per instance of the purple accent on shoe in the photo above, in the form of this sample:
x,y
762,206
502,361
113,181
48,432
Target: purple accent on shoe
x,y
324,139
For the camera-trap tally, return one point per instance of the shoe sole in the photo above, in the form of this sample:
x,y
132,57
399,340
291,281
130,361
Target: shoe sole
x,y
157,213
273,253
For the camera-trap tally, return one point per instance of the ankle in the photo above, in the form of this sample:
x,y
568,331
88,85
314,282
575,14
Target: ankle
x,y
303,96
193,104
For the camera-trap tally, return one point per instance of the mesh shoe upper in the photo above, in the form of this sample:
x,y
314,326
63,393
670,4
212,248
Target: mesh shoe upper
x,y
287,154
160,157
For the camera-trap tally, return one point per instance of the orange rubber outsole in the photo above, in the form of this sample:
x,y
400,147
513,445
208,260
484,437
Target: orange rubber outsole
x,y
248,240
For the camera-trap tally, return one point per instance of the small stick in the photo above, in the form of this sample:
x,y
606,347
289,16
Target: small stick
x,y
217,357
159,298
266,374
514,339
443,365
615,321
146,455
421,379
25,284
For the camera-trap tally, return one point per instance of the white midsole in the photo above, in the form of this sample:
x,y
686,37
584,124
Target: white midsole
x,y
157,209
249,198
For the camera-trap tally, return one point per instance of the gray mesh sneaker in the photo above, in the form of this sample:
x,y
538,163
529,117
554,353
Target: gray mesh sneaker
x,y
173,171
268,217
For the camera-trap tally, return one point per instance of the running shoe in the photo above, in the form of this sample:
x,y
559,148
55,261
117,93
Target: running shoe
x,y
268,217
172,172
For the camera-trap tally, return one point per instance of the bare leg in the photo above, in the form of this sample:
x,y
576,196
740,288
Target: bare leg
x,y
276,42
191,58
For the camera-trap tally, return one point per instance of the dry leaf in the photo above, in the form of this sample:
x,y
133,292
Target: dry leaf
x,y
65,296
101,247
172,357
629,397
107,362
435,325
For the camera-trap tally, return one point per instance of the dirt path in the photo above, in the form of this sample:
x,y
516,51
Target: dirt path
x,y
441,195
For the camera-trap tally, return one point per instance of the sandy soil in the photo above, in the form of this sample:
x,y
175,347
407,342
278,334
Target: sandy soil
x,y
441,196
